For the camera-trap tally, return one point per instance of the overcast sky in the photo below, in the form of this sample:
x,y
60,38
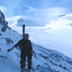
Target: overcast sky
x,y
47,10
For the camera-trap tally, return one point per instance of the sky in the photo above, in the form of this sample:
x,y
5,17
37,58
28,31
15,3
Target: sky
x,y
46,10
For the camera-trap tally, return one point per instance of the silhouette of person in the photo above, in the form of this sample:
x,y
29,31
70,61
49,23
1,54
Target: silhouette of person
x,y
26,51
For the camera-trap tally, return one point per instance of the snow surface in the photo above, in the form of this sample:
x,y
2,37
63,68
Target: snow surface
x,y
44,60
57,35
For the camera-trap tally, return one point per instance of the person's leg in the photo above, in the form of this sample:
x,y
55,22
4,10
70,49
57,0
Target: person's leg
x,y
29,61
22,62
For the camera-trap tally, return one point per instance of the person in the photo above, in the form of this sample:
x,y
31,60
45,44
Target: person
x,y
26,51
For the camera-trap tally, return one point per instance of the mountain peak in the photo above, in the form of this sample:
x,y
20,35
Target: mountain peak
x,y
3,22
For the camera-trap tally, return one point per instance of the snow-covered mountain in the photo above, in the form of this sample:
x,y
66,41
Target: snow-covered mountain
x,y
57,35
44,60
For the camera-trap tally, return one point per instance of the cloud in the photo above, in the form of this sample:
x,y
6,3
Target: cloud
x,y
41,17
48,14
28,21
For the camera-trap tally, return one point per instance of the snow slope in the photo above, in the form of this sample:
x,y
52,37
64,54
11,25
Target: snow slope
x,y
44,60
57,35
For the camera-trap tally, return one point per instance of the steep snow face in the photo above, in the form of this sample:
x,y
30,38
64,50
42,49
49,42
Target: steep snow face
x,y
44,60
57,35
7,39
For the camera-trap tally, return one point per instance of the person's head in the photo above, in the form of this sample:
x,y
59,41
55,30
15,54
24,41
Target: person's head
x,y
26,36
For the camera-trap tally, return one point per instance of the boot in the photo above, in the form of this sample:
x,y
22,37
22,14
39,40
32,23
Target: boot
x,y
28,70
22,70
